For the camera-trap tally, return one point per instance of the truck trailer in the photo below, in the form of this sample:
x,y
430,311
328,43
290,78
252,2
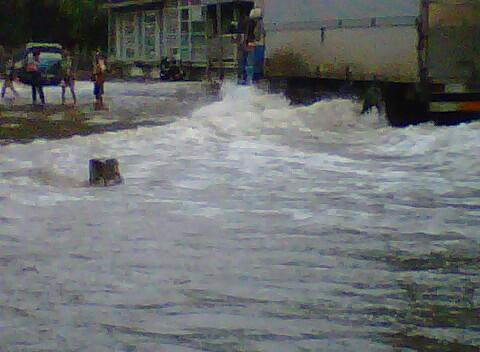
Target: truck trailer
x,y
423,54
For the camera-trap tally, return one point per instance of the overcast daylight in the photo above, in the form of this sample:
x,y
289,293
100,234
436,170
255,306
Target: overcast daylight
x,y
240,176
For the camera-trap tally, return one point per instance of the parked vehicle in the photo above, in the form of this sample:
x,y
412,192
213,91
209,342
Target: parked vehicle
x,y
424,55
50,57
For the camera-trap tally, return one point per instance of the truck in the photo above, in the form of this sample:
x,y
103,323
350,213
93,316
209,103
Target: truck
x,y
423,54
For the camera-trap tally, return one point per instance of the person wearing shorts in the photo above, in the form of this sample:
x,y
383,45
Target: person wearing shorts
x,y
9,79
68,79
98,77
33,68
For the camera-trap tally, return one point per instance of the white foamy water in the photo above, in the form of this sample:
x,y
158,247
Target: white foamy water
x,y
247,225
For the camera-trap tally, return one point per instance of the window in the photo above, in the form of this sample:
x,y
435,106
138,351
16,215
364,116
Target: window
x,y
128,28
198,27
150,35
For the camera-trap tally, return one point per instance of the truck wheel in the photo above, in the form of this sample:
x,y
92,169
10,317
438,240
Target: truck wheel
x,y
404,105
373,98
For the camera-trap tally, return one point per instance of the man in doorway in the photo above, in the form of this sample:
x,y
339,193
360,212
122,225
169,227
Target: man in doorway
x,y
239,39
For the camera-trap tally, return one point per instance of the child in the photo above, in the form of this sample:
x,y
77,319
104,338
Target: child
x,y
9,78
98,78
68,79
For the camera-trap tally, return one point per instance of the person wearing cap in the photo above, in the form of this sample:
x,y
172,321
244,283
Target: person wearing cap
x,y
255,46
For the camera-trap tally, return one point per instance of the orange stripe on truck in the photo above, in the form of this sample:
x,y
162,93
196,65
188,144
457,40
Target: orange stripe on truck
x,y
469,106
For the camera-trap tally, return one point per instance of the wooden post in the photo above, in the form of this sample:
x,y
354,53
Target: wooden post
x,y
104,172
423,43
220,41
109,37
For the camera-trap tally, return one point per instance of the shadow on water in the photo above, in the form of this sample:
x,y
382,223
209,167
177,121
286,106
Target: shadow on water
x,y
23,124
443,261
47,177
440,315
212,340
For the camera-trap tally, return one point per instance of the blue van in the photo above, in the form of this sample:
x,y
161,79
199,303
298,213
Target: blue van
x,y
50,57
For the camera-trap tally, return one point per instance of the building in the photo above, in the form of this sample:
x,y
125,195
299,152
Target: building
x,y
143,32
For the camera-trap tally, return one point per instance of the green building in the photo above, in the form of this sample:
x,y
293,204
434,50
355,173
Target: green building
x,y
143,32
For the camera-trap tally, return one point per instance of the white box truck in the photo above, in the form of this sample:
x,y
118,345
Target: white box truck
x,y
425,54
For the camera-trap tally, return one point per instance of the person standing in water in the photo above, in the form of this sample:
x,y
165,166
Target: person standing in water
x,y
255,46
98,78
33,67
9,78
68,78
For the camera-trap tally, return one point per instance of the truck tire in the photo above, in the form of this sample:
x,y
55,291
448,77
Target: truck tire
x,y
405,105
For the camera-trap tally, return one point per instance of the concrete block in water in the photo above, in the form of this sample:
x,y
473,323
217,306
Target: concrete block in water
x,y
104,172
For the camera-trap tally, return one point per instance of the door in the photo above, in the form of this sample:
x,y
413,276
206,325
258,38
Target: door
x,y
454,41
129,36
151,34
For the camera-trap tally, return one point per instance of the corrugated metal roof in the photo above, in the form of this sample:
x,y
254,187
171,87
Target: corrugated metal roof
x,y
126,3
213,2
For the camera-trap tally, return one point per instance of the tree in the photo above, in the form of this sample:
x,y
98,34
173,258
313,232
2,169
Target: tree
x,y
88,22
13,23
72,23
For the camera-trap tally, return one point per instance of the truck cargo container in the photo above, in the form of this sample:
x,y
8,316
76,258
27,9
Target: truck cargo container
x,y
425,54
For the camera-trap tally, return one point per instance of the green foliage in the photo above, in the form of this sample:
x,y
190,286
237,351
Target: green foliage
x,y
88,23
288,63
72,23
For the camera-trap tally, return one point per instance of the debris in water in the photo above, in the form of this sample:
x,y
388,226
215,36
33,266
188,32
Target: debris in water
x,y
104,172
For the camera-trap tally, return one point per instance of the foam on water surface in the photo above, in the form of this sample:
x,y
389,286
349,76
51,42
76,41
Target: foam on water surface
x,y
247,224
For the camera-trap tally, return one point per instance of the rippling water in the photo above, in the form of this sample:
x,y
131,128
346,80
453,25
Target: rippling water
x,y
247,225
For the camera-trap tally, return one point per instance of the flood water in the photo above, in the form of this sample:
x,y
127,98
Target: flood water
x,y
246,224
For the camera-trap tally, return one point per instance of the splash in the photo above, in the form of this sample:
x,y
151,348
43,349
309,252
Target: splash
x,y
250,111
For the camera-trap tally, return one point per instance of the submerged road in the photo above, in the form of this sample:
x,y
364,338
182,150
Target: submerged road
x,y
128,105
245,224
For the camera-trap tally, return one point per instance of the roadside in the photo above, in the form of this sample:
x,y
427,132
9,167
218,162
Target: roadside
x,y
129,105
26,123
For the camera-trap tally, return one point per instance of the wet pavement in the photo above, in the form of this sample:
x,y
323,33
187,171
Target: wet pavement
x,y
20,121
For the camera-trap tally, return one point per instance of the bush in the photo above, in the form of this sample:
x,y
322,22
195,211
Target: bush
x,y
287,63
